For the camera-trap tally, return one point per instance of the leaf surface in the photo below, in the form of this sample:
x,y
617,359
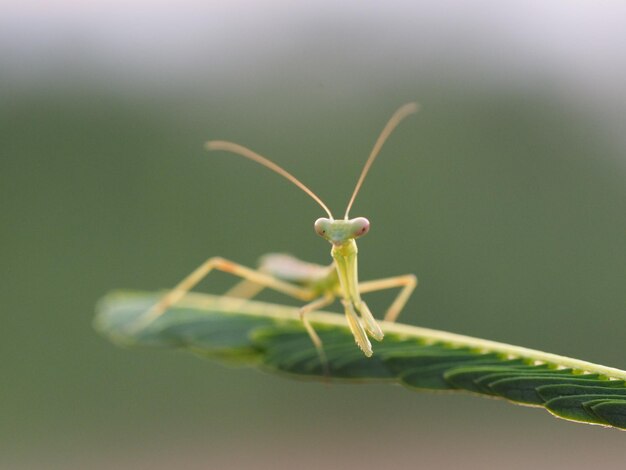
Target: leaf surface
x,y
272,337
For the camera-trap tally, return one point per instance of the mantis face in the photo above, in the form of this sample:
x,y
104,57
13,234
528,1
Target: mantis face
x,y
339,232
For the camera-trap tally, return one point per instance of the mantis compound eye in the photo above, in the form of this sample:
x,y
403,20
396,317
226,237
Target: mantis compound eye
x,y
360,226
321,226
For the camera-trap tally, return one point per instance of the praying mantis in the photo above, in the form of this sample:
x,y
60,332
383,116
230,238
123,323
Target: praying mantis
x,y
315,284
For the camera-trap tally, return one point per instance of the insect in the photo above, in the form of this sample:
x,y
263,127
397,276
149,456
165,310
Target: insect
x,y
316,284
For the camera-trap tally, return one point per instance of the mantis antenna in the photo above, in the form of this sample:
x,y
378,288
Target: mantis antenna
x,y
398,116
247,153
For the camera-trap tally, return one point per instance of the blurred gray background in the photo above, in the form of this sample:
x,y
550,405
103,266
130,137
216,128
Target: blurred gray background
x,y
505,196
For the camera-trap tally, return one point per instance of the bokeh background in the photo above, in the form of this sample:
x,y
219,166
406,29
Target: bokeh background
x,y
505,195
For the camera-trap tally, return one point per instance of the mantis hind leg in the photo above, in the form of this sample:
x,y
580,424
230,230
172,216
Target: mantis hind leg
x,y
408,283
221,264
248,289
244,290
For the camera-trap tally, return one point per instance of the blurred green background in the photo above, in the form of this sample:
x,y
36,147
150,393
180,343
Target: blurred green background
x,y
505,196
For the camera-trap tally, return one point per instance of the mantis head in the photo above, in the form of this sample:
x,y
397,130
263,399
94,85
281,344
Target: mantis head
x,y
339,232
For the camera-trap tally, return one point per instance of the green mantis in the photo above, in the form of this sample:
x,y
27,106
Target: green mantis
x,y
315,284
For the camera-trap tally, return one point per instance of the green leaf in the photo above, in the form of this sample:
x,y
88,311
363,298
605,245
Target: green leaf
x,y
612,412
273,338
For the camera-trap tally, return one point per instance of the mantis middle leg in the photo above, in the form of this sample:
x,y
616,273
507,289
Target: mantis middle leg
x,y
408,282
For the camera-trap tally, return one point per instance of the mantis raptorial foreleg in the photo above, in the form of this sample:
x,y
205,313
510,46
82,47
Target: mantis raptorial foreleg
x,y
408,282
360,336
